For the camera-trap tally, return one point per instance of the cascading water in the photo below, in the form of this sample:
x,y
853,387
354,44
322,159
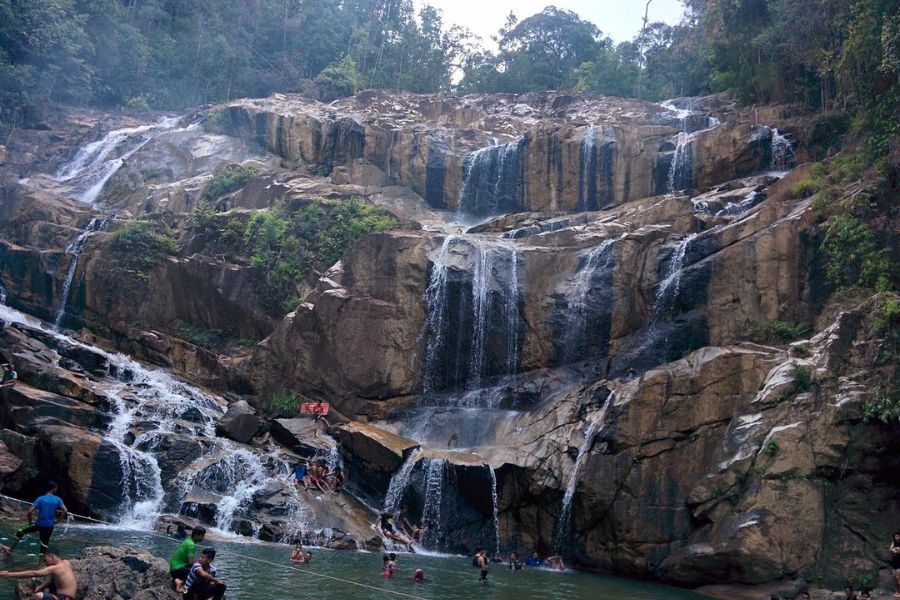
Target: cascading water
x,y
491,350
599,257
96,162
587,183
670,286
492,179
399,482
434,517
563,524
739,208
782,151
75,248
150,402
235,478
496,509
680,175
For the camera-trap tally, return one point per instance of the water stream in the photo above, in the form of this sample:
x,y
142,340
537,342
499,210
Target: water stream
x,y
680,175
496,508
96,162
587,183
783,158
492,181
670,286
75,248
399,482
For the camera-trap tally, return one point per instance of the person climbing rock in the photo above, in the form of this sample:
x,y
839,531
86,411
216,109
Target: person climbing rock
x,y
202,583
483,565
9,376
60,584
48,508
183,559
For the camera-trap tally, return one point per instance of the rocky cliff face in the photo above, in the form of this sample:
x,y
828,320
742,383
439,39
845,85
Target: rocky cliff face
x,y
574,372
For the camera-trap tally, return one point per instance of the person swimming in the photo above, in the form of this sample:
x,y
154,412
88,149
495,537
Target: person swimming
x,y
390,566
419,576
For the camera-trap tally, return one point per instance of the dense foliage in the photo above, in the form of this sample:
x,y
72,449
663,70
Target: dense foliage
x,y
143,244
285,243
172,54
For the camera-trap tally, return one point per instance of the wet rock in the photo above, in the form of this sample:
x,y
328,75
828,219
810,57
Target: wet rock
x,y
107,573
304,436
240,423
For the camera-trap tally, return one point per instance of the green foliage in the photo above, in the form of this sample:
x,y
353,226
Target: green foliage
x,y
339,79
286,245
283,405
803,380
205,338
807,187
144,244
887,317
885,407
773,332
771,448
854,255
226,180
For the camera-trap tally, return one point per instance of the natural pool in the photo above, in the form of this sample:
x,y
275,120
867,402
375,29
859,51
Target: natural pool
x,y
448,576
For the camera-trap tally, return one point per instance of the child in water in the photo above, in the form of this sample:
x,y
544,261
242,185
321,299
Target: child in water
x,y
390,566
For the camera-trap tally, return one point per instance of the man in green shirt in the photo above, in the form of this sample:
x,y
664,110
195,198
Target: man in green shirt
x,y
184,557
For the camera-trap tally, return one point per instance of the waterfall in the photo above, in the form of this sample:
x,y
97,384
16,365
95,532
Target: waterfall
x,y
75,248
434,517
577,328
493,348
144,398
669,287
683,115
492,179
680,176
587,183
738,208
96,162
399,482
436,309
496,509
563,524
782,151
236,479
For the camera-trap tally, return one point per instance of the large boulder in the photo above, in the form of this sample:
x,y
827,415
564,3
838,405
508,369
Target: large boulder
x,y
240,423
373,455
303,436
107,573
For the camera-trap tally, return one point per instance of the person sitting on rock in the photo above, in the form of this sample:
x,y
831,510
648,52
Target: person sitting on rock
x,y
183,559
60,578
301,476
48,508
336,479
202,583
297,553
9,376
316,476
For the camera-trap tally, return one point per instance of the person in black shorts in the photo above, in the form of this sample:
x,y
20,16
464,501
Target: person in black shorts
x,y
47,507
483,565
895,562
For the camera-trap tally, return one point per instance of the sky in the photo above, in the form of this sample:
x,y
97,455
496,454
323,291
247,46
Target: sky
x,y
619,19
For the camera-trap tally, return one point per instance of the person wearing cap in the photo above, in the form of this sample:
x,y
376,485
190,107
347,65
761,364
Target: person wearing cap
x,y
202,583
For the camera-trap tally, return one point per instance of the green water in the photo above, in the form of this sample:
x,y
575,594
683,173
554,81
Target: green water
x,y
448,576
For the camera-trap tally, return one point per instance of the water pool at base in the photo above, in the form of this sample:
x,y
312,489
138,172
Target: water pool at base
x,y
449,577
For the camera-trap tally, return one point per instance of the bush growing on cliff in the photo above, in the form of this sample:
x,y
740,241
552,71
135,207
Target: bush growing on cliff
x,y
226,180
285,245
144,244
854,256
283,405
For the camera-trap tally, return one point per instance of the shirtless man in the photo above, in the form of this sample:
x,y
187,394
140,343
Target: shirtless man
x,y
61,578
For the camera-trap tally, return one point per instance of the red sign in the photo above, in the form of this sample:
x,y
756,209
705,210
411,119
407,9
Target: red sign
x,y
314,408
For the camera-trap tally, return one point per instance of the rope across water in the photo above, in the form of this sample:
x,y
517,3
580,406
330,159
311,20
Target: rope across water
x,y
244,556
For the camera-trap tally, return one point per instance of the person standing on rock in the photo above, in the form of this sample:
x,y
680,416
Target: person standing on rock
x,y
202,583
61,578
47,508
183,559
895,562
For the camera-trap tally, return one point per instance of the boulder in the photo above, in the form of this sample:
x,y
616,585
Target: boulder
x,y
240,423
303,436
107,573
374,447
